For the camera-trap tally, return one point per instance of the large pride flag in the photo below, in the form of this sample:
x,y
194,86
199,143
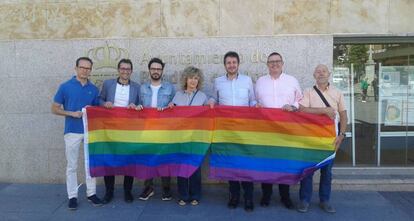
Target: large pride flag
x,y
269,145
248,144
147,143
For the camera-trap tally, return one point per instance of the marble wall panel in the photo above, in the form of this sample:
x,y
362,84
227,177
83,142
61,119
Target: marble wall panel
x,y
56,165
23,21
189,18
246,18
31,131
74,20
29,94
132,19
401,16
301,16
71,19
24,164
359,16
40,58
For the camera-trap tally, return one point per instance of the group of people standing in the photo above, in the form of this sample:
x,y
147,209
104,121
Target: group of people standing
x,y
274,90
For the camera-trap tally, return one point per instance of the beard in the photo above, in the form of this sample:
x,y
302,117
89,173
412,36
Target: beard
x,y
155,77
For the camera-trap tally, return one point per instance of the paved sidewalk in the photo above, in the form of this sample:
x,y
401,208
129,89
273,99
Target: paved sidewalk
x,y
48,202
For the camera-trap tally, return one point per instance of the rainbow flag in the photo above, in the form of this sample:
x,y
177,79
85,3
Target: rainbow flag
x,y
247,144
269,145
147,143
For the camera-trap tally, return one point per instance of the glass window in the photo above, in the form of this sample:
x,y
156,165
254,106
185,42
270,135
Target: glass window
x,y
378,82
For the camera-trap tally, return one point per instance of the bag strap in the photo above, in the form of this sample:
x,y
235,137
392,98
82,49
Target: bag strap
x,y
321,96
193,98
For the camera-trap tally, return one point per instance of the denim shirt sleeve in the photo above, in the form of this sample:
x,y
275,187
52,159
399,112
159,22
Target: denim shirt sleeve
x,y
145,95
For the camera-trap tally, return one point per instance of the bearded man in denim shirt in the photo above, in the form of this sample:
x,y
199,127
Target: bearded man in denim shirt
x,y
157,94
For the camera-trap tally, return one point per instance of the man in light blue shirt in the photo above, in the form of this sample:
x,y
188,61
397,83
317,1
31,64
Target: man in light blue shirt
x,y
235,89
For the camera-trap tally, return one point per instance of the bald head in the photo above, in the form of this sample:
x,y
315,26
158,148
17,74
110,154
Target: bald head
x,y
321,75
322,67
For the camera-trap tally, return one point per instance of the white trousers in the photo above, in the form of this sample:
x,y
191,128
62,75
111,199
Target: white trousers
x,y
72,144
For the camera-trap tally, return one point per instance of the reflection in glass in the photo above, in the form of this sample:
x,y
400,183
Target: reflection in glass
x,y
382,109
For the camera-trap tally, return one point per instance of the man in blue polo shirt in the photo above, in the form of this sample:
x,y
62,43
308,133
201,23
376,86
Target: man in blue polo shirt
x,y
71,97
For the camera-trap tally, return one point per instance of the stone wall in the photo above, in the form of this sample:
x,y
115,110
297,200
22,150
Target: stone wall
x,y
68,19
31,138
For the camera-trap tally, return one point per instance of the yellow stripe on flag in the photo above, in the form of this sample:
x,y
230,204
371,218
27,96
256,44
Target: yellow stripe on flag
x,y
273,139
150,136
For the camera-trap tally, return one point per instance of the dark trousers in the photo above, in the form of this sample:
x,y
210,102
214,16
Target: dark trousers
x,y
165,182
267,190
110,183
190,188
234,188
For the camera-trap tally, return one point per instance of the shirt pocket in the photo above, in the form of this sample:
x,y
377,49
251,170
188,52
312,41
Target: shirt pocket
x,y
145,97
164,97
242,94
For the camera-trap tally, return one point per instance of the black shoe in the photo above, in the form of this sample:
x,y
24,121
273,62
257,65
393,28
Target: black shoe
x,y
95,200
287,203
128,197
73,204
166,194
264,202
248,206
147,193
233,202
108,197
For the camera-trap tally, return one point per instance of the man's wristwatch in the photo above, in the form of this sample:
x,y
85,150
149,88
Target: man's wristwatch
x,y
343,134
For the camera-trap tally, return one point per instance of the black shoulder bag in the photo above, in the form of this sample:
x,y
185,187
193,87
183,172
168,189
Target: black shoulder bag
x,y
327,104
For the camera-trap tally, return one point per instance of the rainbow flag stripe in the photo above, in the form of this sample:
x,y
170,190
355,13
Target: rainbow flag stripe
x,y
269,145
148,143
247,144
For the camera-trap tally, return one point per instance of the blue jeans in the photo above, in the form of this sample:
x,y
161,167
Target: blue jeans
x,y
190,188
306,185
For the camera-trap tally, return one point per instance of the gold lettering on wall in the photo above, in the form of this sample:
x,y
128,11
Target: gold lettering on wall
x,y
106,59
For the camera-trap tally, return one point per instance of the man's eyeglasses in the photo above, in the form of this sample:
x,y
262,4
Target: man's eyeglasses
x,y
155,69
275,62
85,68
125,69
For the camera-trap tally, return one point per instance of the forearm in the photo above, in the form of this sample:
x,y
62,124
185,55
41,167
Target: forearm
x,y
58,110
343,120
312,110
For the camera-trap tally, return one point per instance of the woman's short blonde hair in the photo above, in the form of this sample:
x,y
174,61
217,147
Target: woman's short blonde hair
x,y
190,72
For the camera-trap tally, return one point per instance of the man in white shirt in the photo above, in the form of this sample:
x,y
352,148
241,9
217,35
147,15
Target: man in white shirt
x,y
120,92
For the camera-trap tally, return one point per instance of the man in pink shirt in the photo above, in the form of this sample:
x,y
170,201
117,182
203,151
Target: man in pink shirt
x,y
334,107
277,90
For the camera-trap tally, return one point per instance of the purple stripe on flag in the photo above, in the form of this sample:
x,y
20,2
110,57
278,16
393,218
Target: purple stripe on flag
x,y
146,172
258,176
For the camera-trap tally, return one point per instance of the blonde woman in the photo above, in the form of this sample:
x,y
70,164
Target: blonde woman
x,y
189,189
